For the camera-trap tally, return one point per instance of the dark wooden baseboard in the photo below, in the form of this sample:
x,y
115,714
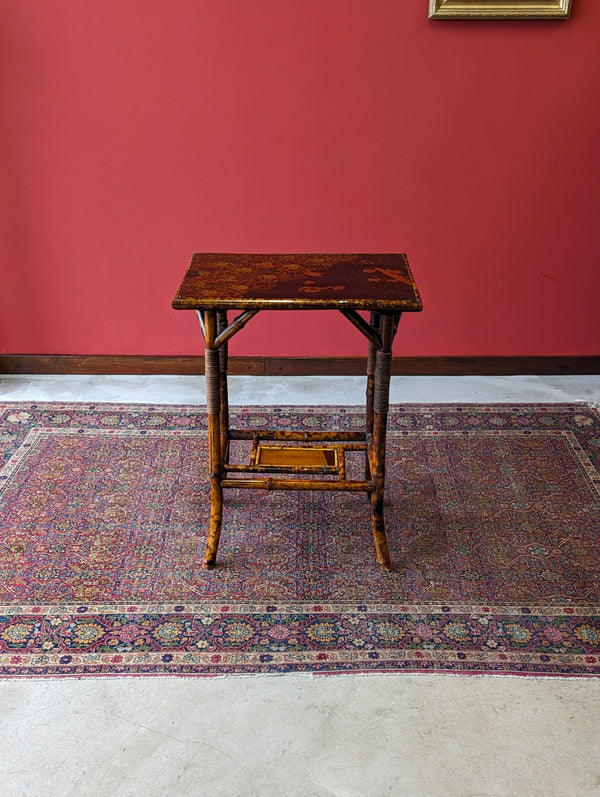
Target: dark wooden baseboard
x,y
296,366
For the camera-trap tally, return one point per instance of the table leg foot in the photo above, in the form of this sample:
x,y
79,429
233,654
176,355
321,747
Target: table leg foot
x,y
216,521
379,536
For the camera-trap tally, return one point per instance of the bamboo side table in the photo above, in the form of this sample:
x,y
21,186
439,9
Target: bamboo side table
x,y
381,284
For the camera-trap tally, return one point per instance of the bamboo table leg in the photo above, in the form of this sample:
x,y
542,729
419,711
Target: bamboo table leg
x,y
375,321
224,398
214,381
381,393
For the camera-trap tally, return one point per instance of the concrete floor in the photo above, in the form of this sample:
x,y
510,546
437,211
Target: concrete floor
x,y
299,735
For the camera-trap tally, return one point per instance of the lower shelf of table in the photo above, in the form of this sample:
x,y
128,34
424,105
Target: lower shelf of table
x,y
301,461
321,458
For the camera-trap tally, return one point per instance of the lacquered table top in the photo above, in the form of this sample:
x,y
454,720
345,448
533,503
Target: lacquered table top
x,y
299,281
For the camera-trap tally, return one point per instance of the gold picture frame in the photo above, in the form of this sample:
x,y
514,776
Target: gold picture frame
x,y
499,9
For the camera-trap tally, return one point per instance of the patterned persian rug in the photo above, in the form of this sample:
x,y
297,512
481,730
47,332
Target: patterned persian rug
x,y
493,518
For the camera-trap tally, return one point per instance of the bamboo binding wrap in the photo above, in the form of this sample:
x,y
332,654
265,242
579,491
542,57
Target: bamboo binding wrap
x,y
383,369
213,381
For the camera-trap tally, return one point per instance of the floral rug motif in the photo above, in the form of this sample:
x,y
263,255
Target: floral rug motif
x,y
493,522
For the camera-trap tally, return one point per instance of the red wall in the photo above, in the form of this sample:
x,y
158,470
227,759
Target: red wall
x,y
135,132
